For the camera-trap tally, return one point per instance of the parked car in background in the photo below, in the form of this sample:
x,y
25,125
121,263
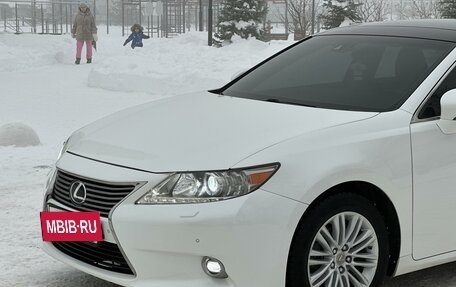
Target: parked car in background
x,y
330,164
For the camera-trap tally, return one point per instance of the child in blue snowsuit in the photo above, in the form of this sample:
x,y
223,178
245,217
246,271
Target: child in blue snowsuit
x,y
136,36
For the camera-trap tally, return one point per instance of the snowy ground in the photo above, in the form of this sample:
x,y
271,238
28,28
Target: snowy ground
x,y
41,87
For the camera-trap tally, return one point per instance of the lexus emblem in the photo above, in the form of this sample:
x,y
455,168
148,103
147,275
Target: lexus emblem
x,y
78,192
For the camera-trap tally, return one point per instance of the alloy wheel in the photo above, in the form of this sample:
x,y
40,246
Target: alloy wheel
x,y
344,252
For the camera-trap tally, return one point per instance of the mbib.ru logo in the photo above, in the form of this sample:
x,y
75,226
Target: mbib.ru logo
x,y
71,226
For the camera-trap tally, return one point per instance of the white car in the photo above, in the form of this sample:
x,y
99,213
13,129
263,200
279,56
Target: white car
x,y
333,164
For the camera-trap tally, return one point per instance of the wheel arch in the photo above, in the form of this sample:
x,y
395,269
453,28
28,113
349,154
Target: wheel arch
x,y
380,200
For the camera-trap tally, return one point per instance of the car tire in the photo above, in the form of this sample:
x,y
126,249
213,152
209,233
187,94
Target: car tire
x,y
353,222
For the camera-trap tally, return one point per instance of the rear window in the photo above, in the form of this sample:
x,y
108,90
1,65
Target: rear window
x,y
349,72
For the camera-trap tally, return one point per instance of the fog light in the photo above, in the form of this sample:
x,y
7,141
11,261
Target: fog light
x,y
214,268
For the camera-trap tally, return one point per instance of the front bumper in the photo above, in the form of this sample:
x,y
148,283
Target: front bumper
x,y
165,244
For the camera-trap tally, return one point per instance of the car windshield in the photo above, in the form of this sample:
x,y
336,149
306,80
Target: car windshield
x,y
348,72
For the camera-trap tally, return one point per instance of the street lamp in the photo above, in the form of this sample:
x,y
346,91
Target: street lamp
x,y
313,17
107,16
209,23
201,15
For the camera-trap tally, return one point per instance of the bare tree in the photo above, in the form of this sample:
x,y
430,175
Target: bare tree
x,y
418,9
374,10
300,16
425,9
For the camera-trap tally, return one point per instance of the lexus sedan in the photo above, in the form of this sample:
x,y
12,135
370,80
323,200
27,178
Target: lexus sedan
x,y
332,163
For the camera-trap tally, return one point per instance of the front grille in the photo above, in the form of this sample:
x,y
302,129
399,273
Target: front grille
x,y
101,197
104,255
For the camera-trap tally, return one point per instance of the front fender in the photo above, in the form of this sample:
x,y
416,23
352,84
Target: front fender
x,y
376,150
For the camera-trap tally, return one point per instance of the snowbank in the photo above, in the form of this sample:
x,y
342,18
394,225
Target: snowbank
x,y
163,67
25,51
19,135
184,64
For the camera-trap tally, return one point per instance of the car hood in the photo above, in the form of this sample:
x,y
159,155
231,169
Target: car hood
x,y
201,131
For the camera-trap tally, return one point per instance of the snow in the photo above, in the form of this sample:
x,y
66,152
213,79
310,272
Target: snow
x,y
346,22
42,88
240,25
244,24
338,3
179,65
18,135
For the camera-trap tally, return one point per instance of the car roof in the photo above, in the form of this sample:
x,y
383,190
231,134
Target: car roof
x,y
441,29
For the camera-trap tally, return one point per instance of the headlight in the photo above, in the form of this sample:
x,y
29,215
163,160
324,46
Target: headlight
x,y
200,187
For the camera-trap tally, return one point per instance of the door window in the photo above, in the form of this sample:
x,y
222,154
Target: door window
x,y
432,107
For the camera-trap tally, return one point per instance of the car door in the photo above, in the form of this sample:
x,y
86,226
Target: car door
x,y
434,177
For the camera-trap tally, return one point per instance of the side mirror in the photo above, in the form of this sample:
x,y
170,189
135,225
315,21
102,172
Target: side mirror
x,y
447,122
238,74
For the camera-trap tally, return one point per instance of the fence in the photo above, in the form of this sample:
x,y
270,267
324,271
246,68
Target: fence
x,y
41,17
169,17
160,18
